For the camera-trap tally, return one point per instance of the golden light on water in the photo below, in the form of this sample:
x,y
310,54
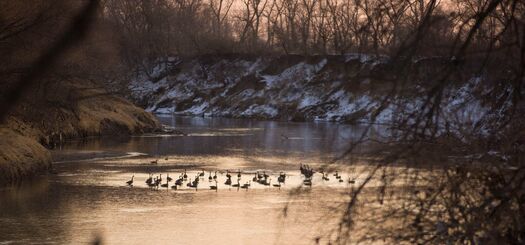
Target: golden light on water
x,y
92,199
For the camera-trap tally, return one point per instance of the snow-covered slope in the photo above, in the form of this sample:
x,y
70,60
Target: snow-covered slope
x,y
344,88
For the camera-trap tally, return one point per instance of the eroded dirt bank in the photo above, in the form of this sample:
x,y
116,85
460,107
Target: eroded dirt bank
x,y
67,110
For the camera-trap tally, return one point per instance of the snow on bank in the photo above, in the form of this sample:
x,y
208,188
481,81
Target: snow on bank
x,y
308,89
266,111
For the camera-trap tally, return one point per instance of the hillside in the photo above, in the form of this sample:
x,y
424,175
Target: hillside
x,y
341,88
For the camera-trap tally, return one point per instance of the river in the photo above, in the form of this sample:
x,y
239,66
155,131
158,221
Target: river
x,y
87,198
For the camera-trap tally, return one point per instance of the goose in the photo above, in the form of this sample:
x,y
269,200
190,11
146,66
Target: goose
x,y
236,185
189,183
351,181
246,185
268,183
209,177
185,175
228,181
160,178
155,161
228,174
325,178
165,185
255,177
265,175
168,177
239,174
192,184
157,183
215,175
306,170
166,158
153,183
259,175
130,182
179,182
262,181
149,180
201,174
341,180
195,183
214,187
281,178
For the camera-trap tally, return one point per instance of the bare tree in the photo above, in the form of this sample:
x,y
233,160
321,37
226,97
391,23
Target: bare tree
x,y
220,10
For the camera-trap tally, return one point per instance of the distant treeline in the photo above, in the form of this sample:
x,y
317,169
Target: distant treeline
x,y
154,28
135,33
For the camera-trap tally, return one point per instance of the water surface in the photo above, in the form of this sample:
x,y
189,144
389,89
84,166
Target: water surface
x,y
88,197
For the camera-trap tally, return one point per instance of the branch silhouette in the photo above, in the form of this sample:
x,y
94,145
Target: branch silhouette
x,y
76,31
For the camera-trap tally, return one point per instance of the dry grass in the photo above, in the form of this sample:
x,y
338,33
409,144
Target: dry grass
x,y
68,110
20,157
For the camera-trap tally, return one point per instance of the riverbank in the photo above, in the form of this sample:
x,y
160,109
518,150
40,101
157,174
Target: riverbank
x,y
351,88
33,128
21,157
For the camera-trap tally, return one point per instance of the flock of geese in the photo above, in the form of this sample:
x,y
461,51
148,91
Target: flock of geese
x,y
308,173
260,177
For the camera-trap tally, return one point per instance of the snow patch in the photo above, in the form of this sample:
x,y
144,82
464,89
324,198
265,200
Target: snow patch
x,y
308,101
264,110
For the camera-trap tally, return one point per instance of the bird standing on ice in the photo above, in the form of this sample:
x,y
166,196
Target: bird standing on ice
x,y
130,182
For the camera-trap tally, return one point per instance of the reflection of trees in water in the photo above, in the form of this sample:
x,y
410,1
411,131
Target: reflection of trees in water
x,y
38,211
